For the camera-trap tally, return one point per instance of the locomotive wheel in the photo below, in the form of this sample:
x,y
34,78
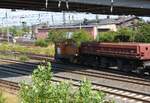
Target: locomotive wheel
x,y
124,66
119,64
104,62
126,69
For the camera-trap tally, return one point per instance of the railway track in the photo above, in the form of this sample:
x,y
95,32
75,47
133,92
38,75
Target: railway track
x,y
11,87
30,55
105,75
137,96
92,73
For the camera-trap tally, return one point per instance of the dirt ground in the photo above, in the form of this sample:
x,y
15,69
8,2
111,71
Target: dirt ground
x,y
10,98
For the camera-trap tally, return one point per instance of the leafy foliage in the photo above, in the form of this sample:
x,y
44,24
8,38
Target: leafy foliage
x,y
106,36
41,43
125,35
80,36
122,35
56,35
61,35
143,34
14,30
42,90
140,34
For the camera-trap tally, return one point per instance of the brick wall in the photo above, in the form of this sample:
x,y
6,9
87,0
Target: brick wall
x,y
43,33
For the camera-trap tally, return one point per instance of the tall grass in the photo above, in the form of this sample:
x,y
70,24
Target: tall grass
x,y
2,99
24,49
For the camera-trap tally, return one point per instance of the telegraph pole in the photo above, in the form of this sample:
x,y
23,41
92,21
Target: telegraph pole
x,y
52,20
64,18
2,27
6,16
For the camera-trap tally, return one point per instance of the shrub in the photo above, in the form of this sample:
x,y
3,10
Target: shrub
x,y
143,34
43,90
56,36
125,35
41,43
140,38
106,36
80,36
2,99
122,35
122,38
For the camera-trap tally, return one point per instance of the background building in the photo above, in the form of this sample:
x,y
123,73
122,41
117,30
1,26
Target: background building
x,y
94,27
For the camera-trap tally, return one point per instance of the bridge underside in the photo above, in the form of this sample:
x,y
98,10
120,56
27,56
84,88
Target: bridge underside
x,y
75,6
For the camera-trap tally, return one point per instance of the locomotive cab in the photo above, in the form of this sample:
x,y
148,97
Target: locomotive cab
x,y
66,51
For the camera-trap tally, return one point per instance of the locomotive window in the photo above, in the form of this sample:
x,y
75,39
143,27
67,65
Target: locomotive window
x,y
146,48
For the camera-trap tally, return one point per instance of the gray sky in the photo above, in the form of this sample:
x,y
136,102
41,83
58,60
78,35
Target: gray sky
x,y
14,18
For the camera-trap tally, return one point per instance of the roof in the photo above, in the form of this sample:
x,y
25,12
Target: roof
x,y
107,21
68,27
93,23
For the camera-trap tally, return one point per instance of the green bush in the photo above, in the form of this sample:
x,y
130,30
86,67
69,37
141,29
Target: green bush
x,y
2,99
41,43
81,35
122,38
140,38
56,36
78,36
106,36
143,34
122,35
125,35
43,90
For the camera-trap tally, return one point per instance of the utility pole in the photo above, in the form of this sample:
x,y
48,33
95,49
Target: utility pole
x,y
23,23
72,18
6,16
69,19
39,18
64,18
52,20
97,18
2,27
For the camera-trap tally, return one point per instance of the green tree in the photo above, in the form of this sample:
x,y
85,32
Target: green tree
x,y
3,30
81,35
125,35
56,35
106,36
143,34
25,28
13,30
41,43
